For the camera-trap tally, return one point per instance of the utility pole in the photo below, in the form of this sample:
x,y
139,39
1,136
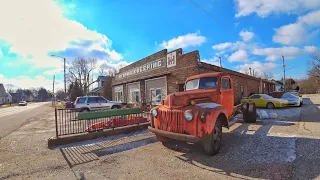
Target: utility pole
x,y
284,75
64,70
220,61
53,100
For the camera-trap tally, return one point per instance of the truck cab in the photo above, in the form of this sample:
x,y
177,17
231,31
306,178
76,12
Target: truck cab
x,y
198,113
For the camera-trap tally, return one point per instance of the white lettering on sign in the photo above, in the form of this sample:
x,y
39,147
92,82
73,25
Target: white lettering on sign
x,y
143,68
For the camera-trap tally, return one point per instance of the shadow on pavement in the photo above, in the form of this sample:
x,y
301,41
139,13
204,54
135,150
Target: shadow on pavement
x,y
91,150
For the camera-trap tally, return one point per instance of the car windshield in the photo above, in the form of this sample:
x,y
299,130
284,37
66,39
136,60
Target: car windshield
x,y
288,95
264,96
202,83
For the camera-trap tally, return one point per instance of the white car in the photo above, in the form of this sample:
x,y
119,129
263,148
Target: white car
x,y
23,103
292,99
94,103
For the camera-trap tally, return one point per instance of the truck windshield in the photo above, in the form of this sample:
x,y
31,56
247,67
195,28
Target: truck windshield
x,y
202,83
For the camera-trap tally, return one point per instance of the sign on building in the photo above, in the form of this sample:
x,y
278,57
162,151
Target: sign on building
x,y
171,59
143,68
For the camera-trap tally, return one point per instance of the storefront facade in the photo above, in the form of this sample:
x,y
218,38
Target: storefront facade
x,y
154,77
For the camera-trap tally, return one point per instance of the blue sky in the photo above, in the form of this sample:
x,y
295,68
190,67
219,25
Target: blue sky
x,y
246,34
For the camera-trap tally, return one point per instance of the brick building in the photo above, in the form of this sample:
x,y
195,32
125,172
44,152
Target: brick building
x,y
154,77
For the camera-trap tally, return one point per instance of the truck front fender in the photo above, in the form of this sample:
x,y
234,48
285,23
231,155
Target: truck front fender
x,y
208,115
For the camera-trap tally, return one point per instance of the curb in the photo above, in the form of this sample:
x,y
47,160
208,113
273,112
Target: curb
x,y
53,142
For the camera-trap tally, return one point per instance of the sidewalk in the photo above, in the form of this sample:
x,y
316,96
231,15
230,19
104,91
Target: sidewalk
x,y
24,153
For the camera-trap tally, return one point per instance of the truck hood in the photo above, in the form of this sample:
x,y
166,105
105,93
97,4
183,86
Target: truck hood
x,y
182,99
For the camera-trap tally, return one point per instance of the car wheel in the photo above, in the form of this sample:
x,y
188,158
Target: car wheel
x,y
270,105
212,143
115,107
85,110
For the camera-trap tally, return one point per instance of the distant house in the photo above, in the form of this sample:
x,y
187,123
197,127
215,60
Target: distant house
x,y
31,98
98,91
17,97
9,98
3,95
278,86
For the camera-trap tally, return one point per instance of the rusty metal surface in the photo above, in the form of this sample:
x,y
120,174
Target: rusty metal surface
x,y
177,136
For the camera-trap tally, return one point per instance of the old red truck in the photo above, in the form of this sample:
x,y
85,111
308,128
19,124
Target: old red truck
x,y
199,113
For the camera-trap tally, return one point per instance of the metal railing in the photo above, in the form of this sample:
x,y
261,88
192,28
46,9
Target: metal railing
x,y
67,122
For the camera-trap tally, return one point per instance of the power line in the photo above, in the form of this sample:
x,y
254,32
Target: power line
x,y
224,26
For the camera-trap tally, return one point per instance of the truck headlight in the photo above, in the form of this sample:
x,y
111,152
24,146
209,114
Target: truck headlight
x,y
188,115
154,113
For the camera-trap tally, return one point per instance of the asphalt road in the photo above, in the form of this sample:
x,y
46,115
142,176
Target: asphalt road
x,y
14,117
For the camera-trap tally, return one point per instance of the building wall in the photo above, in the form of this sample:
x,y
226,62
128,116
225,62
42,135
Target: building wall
x,y
186,65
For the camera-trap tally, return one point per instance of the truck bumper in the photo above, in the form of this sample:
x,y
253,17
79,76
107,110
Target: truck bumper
x,y
176,136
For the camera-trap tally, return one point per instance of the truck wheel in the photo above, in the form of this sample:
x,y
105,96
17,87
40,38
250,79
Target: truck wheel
x,y
270,105
250,113
212,143
162,138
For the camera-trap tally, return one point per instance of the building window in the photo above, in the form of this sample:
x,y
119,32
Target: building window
x,y
135,96
118,96
156,96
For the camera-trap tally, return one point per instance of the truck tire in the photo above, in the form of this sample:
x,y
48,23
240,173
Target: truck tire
x,y
249,112
212,143
162,138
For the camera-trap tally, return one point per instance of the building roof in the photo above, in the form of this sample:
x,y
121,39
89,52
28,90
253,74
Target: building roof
x,y
279,82
95,90
17,95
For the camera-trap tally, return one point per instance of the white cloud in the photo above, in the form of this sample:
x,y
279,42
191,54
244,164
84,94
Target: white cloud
x,y
214,61
257,67
191,39
229,46
273,54
264,8
299,32
40,28
310,49
246,35
312,18
239,56
31,82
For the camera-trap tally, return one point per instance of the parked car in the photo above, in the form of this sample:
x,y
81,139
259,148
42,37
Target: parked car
x,y
266,101
94,103
296,93
292,99
23,103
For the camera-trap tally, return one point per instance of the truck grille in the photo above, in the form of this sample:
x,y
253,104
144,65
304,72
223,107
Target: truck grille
x,y
172,121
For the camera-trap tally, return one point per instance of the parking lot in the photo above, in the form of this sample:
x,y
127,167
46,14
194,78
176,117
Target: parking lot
x,y
284,148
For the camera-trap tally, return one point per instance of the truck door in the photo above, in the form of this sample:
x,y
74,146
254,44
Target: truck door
x,y
227,97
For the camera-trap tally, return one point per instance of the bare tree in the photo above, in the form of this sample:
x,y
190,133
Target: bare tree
x,y
314,70
267,75
80,70
9,88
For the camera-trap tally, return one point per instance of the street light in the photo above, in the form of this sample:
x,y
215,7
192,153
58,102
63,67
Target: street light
x,y
64,71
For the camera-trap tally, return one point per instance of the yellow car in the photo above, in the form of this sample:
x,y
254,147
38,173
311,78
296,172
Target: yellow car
x,y
266,101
